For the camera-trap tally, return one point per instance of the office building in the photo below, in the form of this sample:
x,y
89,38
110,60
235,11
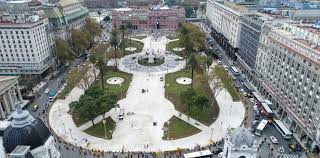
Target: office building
x,y
224,18
64,16
25,45
287,64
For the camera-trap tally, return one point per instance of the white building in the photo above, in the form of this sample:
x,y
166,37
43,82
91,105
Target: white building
x,y
25,47
288,62
10,96
224,18
240,143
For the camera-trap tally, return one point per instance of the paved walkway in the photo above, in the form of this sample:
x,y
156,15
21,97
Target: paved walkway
x,y
135,131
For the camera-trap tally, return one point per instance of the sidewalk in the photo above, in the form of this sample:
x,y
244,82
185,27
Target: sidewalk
x,y
135,131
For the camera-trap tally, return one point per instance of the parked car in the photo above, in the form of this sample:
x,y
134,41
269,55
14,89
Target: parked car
x,y
251,100
46,91
273,140
35,107
121,114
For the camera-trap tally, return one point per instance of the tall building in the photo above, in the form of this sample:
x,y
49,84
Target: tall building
x,y
146,19
26,137
239,143
248,45
64,16
288,61
25,45
224,18
10,96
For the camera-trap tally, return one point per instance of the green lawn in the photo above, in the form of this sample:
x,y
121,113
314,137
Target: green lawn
x,y
200,84
98,130
174,44
227,82
119,90
145,62
136,44
73,78
179,129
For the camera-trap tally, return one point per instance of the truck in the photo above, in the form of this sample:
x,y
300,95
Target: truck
x,y
52,95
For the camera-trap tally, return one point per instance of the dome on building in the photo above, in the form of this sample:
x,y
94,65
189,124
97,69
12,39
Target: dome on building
x,y
241,136
24,130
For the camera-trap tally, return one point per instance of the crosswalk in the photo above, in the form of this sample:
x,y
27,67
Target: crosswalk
x,y
290,156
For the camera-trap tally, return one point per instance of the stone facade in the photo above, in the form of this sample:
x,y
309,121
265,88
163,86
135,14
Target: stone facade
x,y
10,96
287,64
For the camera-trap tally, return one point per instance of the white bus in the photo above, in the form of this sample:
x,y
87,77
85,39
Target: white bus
x,y
199,154
282,129
234,70
260,127
266,110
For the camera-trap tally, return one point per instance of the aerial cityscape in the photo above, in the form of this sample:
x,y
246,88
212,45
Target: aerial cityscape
x,y
159,78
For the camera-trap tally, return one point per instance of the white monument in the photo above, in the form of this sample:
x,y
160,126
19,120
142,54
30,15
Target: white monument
x,y
239,143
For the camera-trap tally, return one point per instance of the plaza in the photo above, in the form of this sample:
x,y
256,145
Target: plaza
x,y
136,132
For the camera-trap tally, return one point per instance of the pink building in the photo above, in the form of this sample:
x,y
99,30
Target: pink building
x,y
145,19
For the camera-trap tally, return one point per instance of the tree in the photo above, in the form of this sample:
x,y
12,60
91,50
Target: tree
x,y
93,60
193,62
130,26
192,39
114,42
107,18
93,28
123,28
100,64
79,41
106,102
64,52
87,108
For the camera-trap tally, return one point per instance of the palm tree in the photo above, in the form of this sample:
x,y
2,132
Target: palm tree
x,y
129,26
114,42
123,29
100,64
193,62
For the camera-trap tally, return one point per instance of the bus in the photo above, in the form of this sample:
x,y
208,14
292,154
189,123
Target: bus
x,y
234,70
282,129
52,95
266,111
261,127
199,154
258,97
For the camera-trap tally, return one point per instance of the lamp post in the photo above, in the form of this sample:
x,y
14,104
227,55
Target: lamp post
x,y
104,127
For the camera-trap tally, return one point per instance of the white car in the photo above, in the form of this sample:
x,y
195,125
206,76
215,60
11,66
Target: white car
x,y
46,91
273,140
251,100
